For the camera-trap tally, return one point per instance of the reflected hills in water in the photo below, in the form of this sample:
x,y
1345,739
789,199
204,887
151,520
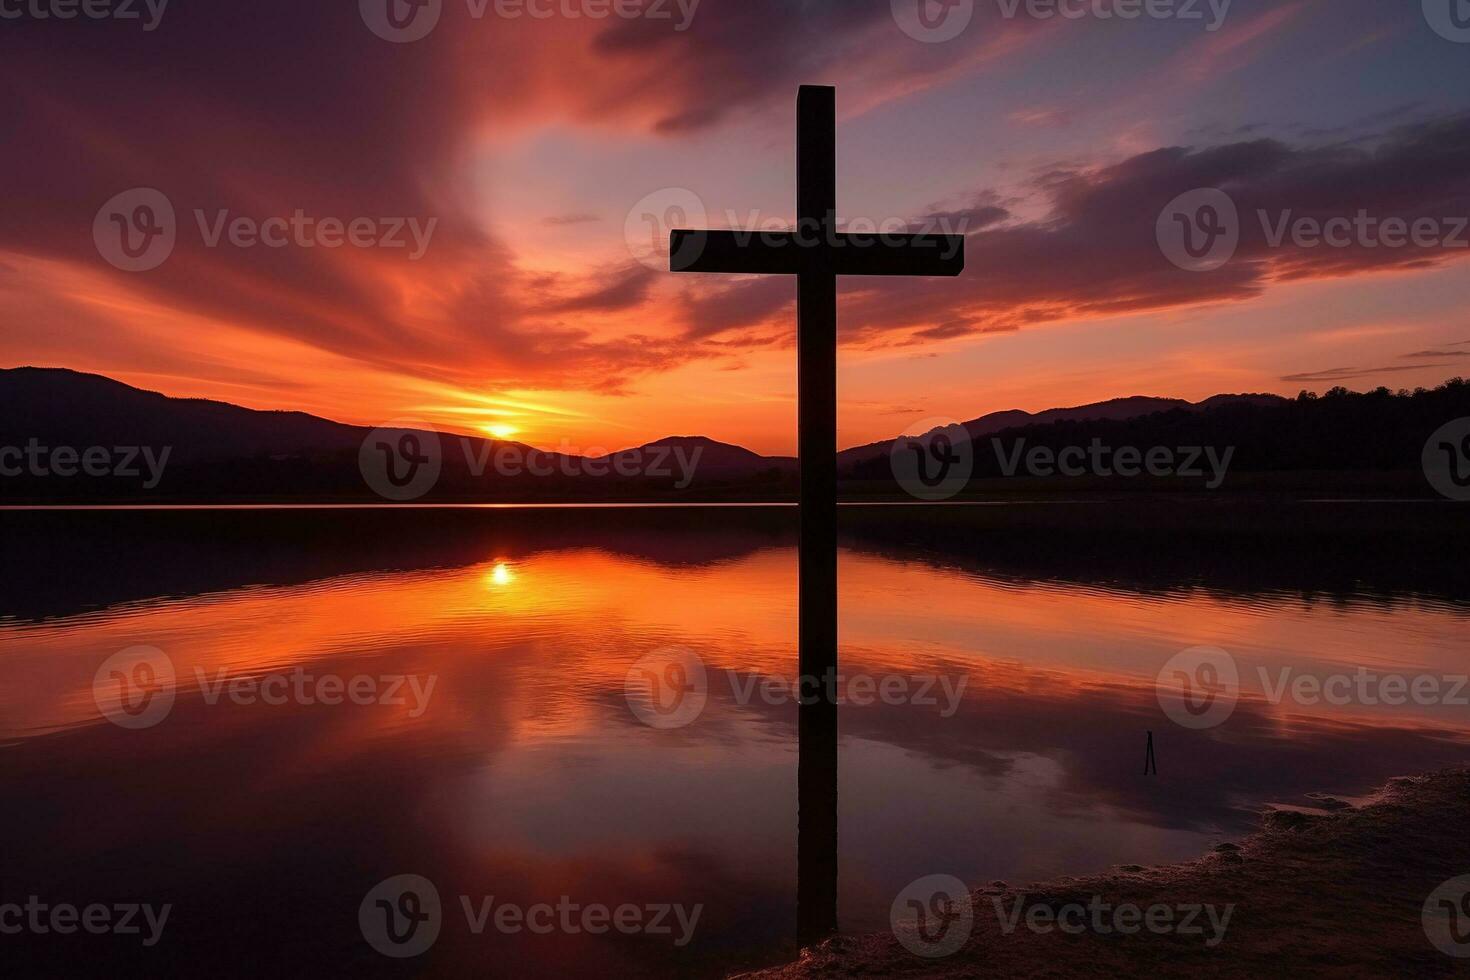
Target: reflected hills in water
x,y
67,561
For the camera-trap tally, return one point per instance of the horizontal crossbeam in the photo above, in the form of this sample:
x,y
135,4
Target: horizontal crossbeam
x,y
776,253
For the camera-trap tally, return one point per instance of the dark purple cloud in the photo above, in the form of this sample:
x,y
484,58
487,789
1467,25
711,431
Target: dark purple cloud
x,y
1095,250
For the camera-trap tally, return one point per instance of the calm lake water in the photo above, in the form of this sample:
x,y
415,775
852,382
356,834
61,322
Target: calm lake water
x,y
525,773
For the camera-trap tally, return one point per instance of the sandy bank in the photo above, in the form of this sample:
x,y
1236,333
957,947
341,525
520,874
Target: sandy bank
x,y
1337,892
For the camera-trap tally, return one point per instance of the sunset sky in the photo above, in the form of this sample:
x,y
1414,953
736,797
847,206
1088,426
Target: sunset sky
x,y
535,144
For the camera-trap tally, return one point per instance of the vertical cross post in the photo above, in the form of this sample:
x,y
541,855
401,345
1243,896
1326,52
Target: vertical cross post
x,y
816,341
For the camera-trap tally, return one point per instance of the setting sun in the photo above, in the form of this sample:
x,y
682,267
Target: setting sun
x,y
500,430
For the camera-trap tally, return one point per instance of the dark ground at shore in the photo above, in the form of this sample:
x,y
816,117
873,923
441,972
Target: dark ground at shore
x,y
1338,892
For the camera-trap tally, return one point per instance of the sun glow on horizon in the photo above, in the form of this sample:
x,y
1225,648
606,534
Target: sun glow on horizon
x,y
500,430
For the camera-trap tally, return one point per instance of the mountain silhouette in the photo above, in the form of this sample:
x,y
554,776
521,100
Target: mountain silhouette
x,y
223,451
60,407
220,452
1114,409
716,459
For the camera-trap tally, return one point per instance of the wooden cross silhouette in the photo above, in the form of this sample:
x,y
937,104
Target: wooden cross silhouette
x,y
817,253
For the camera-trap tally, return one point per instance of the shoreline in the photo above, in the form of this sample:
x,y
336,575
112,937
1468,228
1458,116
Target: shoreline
x,y
1339,890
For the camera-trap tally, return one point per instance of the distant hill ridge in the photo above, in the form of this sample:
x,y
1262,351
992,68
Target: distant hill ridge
x,y
66,407
61,407
1113,410
218,452
76,408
